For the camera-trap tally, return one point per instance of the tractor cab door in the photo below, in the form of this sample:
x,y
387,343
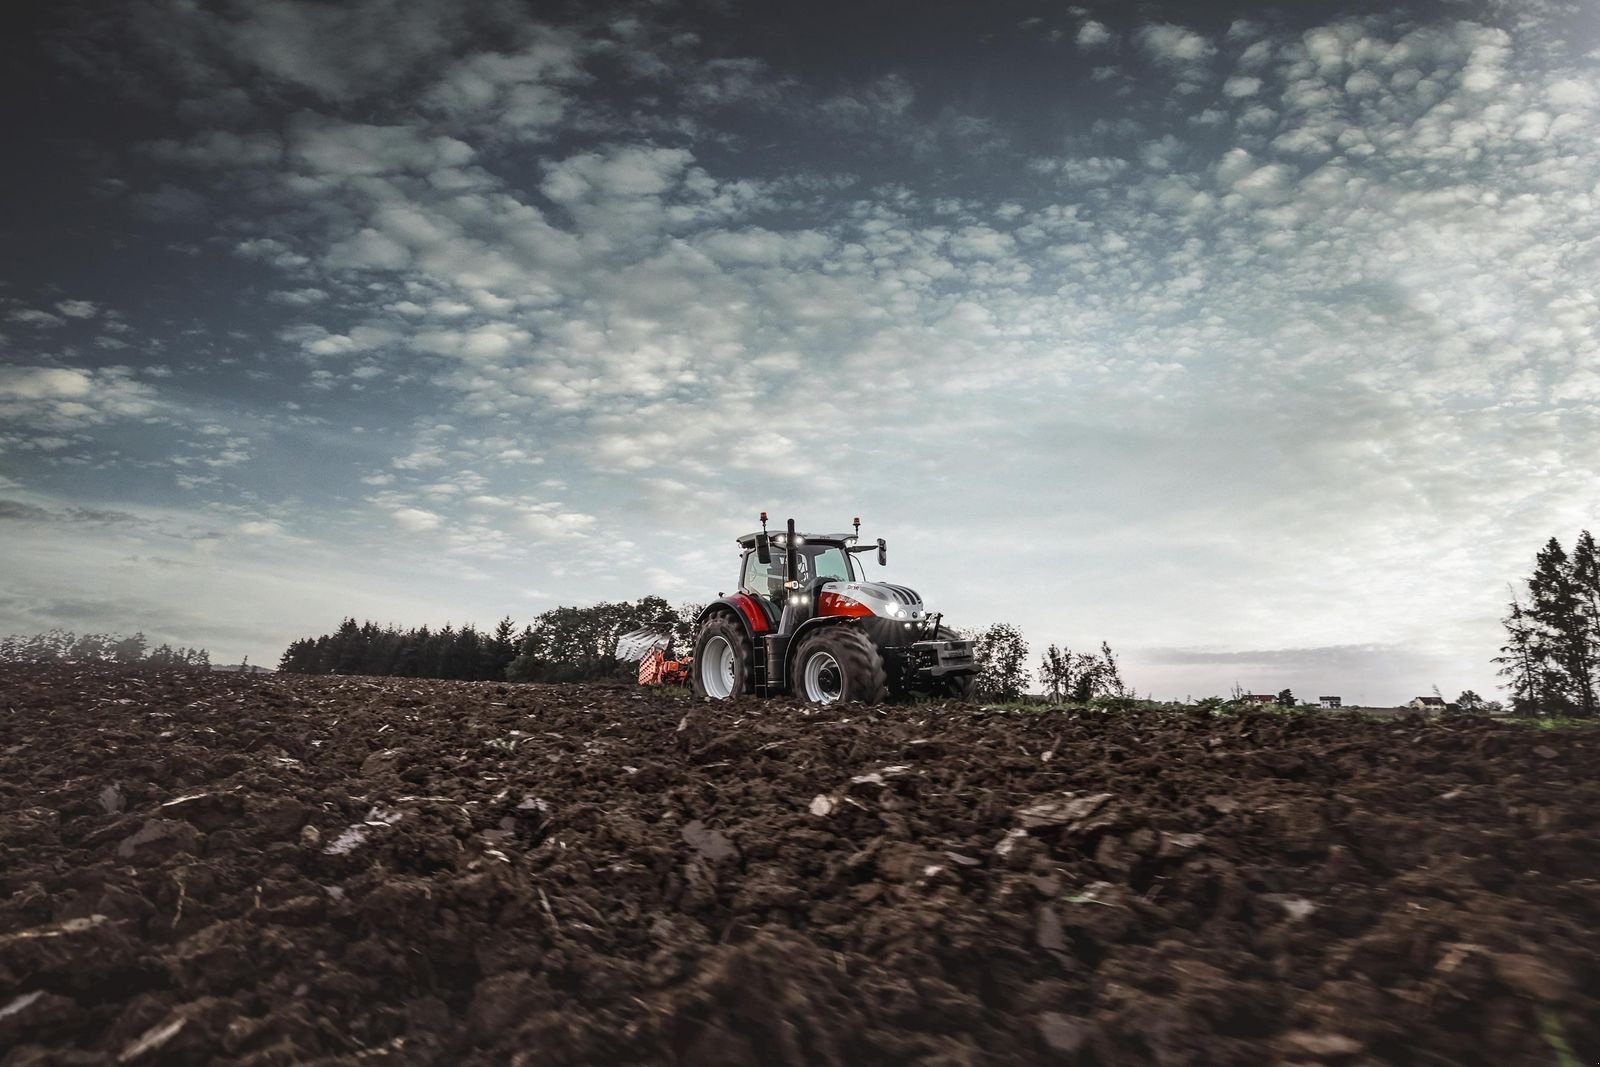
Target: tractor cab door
x,y
809,578
764,582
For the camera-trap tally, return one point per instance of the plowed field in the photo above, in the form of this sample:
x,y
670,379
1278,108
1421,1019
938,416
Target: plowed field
x,y
275,870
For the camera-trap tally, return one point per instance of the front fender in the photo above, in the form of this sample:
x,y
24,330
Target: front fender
x,y
810,626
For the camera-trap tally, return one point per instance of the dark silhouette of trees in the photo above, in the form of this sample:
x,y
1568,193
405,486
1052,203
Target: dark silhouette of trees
x,y
1055,672
1558,605
563,644
1524,663
364,648
1002,656
1552,650
1079,677
501,648
64,646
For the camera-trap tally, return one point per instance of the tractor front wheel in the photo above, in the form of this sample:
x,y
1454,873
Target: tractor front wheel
x,y
839,663
722,654
962,687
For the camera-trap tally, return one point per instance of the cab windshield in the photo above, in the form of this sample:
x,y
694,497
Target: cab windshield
x,y
811,562
824,561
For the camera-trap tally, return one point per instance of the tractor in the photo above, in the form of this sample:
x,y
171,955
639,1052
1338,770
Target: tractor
x,y
804,621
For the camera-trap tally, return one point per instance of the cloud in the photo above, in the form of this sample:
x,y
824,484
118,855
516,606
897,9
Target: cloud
x,y
367,249
22,511
62,398
417,519
305,297
758,245
338,149
1241,86
35,318
317,341
17,511
488,343
343,51
556,526
723,82
624,173
520,93
1174,46
1093,34
271,251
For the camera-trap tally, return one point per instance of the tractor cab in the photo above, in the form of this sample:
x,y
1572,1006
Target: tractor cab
x,y
818,559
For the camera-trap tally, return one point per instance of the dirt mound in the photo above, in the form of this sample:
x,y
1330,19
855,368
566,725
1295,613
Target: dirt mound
x,y
273,870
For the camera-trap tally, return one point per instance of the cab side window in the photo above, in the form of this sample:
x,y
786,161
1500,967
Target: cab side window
x,y
762,579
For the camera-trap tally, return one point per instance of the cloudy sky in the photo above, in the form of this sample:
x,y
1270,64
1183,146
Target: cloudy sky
x,y
1260,342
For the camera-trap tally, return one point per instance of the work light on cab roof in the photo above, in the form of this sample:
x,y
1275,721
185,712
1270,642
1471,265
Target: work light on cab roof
x,y
804,620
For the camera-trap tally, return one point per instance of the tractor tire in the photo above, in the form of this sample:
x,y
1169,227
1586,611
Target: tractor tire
x,y
962,687
839,663
722,656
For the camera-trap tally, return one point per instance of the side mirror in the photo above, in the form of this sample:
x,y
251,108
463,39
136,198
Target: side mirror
x,y
883,553
763,548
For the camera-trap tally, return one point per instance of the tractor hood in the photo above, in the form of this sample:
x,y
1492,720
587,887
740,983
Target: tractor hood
x,y
886,601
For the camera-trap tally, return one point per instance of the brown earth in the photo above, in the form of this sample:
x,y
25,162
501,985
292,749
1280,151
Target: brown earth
x,y
274,870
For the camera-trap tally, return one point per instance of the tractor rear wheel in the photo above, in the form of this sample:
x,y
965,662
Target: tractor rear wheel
x,y
722,655
839,663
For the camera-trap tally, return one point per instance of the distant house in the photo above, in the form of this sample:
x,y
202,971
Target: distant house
x,y
1330,702
1427,703
1260,700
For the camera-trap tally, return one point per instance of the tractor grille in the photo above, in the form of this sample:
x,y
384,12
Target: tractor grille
x,y
902,593
890,633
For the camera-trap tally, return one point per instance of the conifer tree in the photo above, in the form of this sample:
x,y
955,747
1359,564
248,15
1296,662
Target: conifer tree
x,y
1559,607
1522,660
1586,576
502,649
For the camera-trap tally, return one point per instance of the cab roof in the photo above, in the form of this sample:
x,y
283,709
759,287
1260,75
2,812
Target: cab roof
x,y
778,538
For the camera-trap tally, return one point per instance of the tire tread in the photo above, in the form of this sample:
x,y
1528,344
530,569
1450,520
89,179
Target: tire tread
x,y
724,624
865,679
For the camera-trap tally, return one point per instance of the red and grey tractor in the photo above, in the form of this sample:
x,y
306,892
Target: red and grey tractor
x,y
805,621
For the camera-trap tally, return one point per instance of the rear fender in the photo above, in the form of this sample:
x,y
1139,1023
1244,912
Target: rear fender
x,y
743,607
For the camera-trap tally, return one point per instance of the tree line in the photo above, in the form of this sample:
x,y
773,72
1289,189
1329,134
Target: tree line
x,y
564,644
1551,657
64,646
1065,676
